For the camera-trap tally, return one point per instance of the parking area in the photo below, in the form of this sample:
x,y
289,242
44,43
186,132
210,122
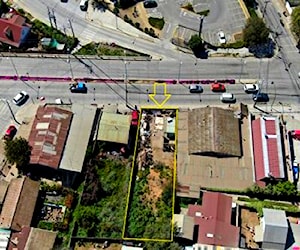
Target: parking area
x,y
229,16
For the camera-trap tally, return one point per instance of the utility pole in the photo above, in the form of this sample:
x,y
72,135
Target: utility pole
x,y
71,27
201,25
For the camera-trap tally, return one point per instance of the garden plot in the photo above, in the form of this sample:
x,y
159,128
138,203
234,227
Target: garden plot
x,y
151,200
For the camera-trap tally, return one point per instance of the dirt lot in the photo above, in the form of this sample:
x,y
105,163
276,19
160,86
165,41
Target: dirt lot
x,y
248,222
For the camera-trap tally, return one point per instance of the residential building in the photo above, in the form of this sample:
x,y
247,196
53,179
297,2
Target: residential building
x,y
32,239
14,30
212,221
19,203
267,150
273,230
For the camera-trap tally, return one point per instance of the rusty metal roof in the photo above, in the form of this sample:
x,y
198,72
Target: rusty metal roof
x,y
48,135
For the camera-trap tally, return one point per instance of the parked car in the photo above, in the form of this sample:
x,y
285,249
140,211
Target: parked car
x,y
150,4
251,88
227,98
20,98
261,97
218,87
221,36
10,132
78,87
195,89
84,5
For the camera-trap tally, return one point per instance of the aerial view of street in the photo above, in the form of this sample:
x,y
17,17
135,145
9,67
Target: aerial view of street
x,y
150,124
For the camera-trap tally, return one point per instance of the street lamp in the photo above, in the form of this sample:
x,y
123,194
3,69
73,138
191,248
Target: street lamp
x,y
179,72
282,108
94,94
125,82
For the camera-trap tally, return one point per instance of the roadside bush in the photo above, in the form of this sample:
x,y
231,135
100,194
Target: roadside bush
x,y
156,22
203,13
188,6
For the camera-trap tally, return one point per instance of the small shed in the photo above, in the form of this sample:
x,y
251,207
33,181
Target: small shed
x,y
114,128
273,229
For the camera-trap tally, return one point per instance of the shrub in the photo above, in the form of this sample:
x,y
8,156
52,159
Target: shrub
x,y
157,23
189,7
203,13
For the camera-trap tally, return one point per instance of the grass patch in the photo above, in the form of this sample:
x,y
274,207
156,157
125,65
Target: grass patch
x,y
105,49
102,208
156,22
258,205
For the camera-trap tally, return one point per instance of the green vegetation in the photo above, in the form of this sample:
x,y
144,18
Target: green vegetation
x,y
102,209
195,43
43,30
151,245
296,22
188,7
18,151
281,191
236,45
251,6
203,12
149,216
156,22
258,205
104,49
255,32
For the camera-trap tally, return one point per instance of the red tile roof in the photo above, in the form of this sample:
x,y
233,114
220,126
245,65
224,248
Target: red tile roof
x,y
214,220
48,135
12,30
267,148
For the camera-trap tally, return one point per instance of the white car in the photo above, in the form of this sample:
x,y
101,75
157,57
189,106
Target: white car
x,y
20,98
222,38
251,88
227,98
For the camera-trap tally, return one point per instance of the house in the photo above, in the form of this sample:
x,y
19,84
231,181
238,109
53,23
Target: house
x,y
214,150
267,149
212,221
33,239
19,203
59,138
14,30
273,230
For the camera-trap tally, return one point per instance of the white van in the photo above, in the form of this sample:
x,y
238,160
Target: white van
x,y
84,5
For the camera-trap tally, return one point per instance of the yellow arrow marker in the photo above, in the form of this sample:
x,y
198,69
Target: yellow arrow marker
x,y
166,95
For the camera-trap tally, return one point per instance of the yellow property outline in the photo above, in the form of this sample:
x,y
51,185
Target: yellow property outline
x,y
174,178
166,95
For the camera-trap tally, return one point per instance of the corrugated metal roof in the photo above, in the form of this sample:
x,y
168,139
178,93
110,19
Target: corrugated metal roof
x,y
213,130
19,203
268,159
80,131
214,220
4,238
48,135
114,128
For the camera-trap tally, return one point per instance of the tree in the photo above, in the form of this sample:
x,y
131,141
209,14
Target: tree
x,y
255,32
195,43
296,22
18,151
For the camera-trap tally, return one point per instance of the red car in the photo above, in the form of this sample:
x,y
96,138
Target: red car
x,y
10,132
218,87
